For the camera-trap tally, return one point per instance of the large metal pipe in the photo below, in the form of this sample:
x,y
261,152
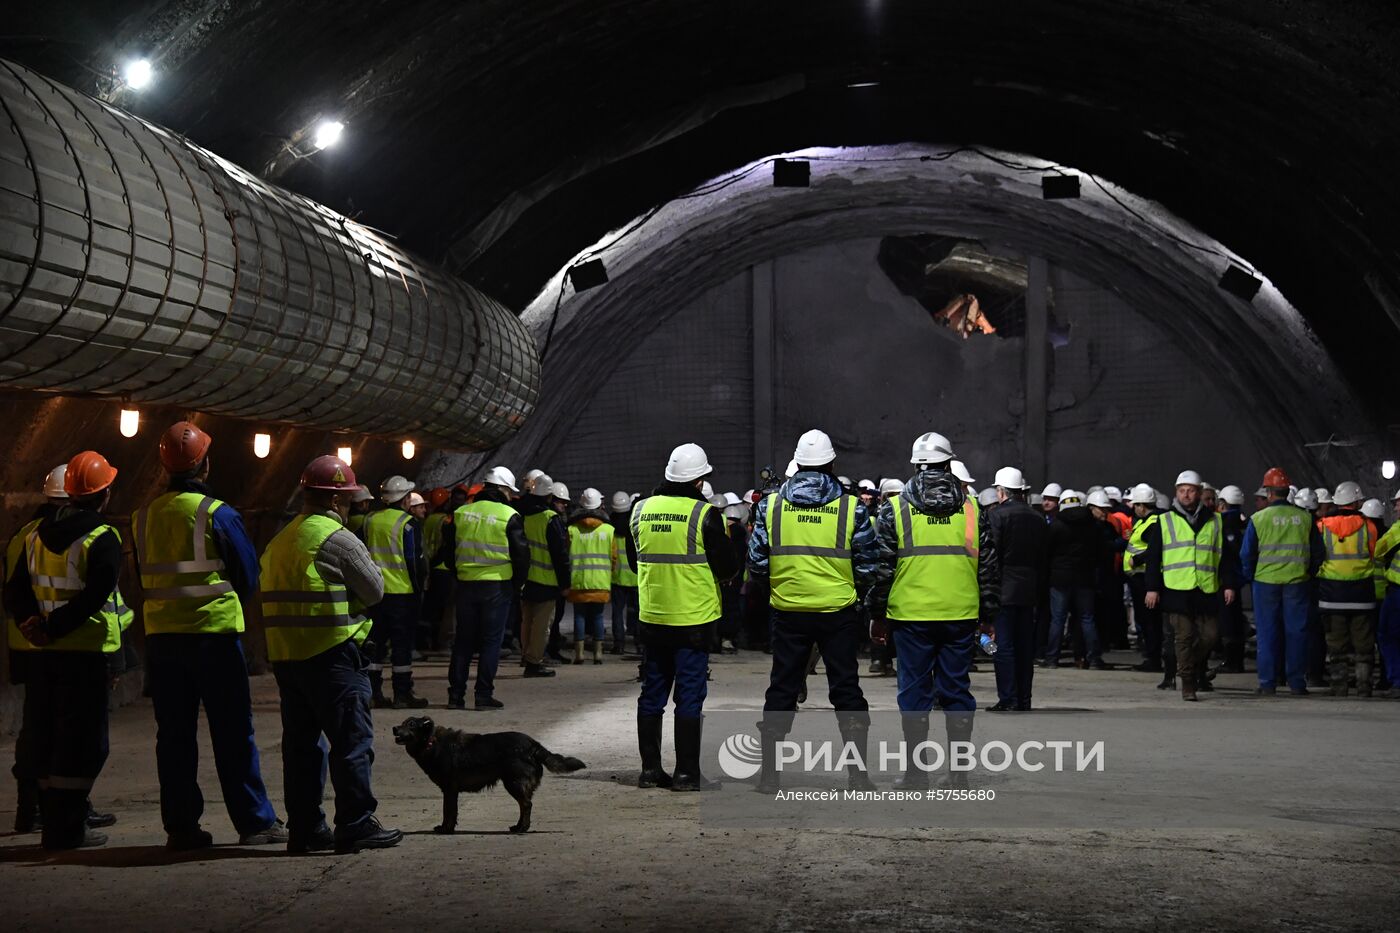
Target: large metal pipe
x,y
135,264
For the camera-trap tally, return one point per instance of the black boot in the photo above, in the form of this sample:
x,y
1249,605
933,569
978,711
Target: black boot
x,y
376,686
959,726
98,820
687,738
65,820
772,729
27,817
915,726
1168,672
855,731
649,745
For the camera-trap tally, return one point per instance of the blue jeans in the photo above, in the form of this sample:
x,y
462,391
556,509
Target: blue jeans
x,y
395,624
326,695
1281,631
184,671
837,635
679,657
1388,634
1080,601
624,614
934,663
483,607
1015,658
588,622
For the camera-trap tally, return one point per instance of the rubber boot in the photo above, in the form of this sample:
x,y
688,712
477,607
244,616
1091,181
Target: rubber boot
x,y
855,731
915,726
649,745
769,780
598,652
578,652
27,811
1188,686
1337,677
687,738
65,820
1363,679
959,726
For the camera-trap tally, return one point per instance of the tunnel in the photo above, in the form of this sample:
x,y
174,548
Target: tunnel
x,y
1100,242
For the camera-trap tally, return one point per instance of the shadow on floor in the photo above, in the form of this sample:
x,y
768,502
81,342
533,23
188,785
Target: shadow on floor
x,y
483,832
130,856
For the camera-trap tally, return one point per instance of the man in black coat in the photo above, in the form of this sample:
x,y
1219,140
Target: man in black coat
x,y
1076,551
1022,539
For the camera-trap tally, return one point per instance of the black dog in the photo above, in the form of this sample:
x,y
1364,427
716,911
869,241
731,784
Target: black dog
x,y
463,761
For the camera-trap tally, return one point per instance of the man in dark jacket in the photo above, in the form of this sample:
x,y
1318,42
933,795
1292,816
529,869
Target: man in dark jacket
x,y
1022,543
1234,630
549,574
1076,552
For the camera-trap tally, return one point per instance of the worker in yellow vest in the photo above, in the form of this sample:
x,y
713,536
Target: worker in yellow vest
x,y
198,568
317,581
590,562
1387,558
680,550
1346,592
395,542
939,577
1143,499
624,578
549,576
64,588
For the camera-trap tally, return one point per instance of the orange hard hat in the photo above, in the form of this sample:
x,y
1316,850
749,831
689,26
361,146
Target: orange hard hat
x,y
475,490
1276,479
88,473
438,496
183,447
329,474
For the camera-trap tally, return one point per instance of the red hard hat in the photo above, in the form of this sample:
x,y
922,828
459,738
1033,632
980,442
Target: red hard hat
x,y
329,474
88,473
1276,479
182,447
438,496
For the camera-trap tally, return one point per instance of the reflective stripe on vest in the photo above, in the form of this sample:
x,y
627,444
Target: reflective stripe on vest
x,y
1348,558
303,613
184,589
809,555
590,558
1132,557
622,572
674,583
433,527
14,553
537,533
57,577
1190,560
384,534
1284,535
935,574
481,544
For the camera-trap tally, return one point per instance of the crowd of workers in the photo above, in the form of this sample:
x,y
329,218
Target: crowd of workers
x,y
810,566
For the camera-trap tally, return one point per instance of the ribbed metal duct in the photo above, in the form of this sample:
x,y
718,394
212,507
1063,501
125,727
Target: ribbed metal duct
x,y
135,264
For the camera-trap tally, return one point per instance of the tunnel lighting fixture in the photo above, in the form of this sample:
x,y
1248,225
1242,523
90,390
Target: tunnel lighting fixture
x,y
1059,187
409,450
138,74
1240,283
865,84
129,422
1388,469
328,134
792,173
344,454
262,445
588,274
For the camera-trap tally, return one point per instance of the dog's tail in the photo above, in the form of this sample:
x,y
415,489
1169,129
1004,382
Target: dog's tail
x,y
559,764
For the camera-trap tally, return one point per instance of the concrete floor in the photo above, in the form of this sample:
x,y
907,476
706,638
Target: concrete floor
x,y
603,854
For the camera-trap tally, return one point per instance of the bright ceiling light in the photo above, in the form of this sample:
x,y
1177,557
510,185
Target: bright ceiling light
x,y
328,134
1388,469
409,450
344,454
262,445
139,74
129,422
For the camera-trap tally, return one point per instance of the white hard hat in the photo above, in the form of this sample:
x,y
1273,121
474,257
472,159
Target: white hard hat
x,y
748,496
791,470
738,511
1207,486
1114,493
528,483
867,484
1052,491
1232,495
1306,499
394,488
707,490
1348,493
1143,494
687,464
718,502
558,491
1010,478
1324,496
1069,499
1100,499
542,485
931,448
1093,489
845,482
1035,498
591,498
414,499
361,494
732,498
1188,478
500,476
893,487
814,449
1163,503
959,469
987,496
1261,493
53,483
1373,508
621,501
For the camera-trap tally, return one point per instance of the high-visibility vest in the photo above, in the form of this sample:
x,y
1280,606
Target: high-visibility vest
x,y
384,536
1190,560
1387,558
935,573
14,553
303,613
1133,561
809,554
433,527
1348,558
480,541
57,577
356,524
674,583
1284,533
537,533
622,572
590,558
184,589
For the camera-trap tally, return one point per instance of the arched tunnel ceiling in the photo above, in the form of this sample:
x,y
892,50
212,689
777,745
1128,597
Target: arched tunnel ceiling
x,y
507,135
